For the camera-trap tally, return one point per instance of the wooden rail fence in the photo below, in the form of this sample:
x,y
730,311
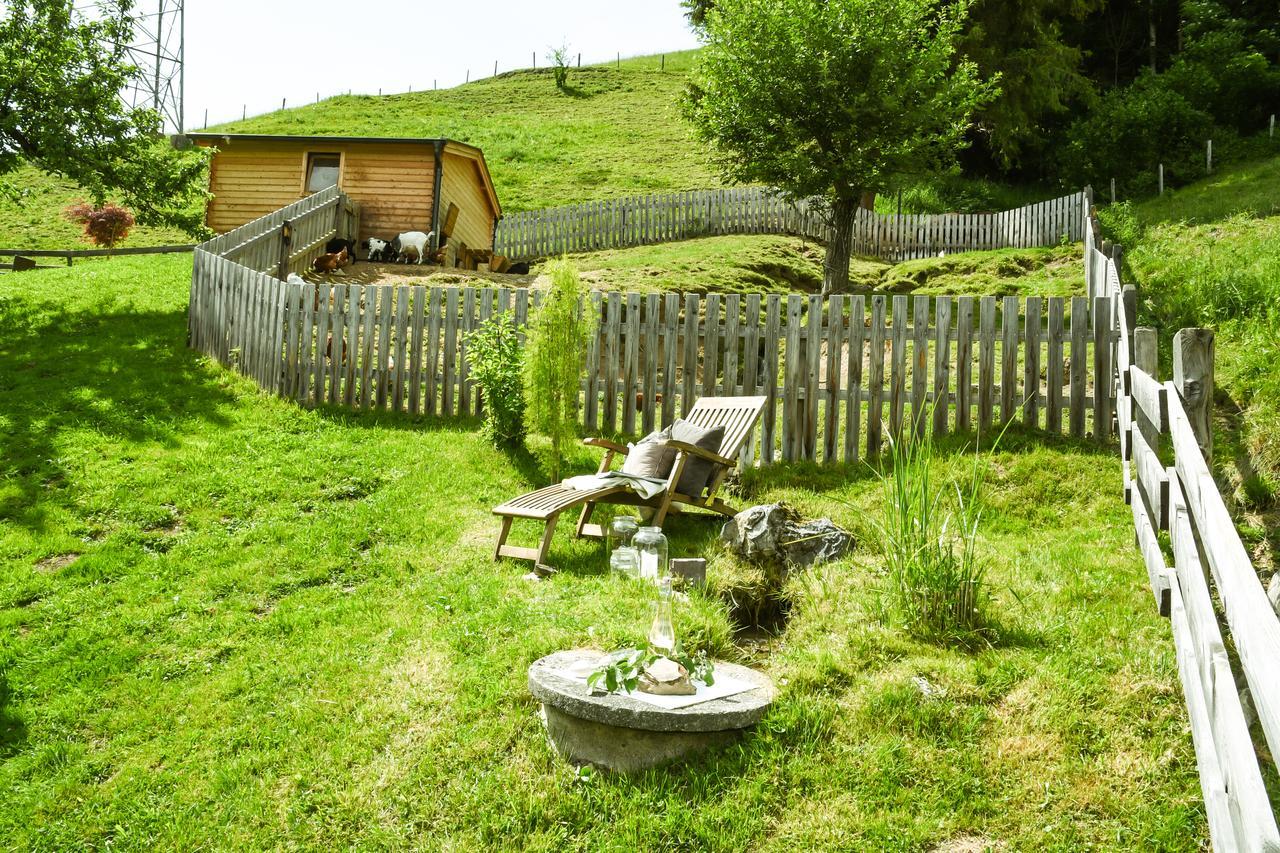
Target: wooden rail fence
x,y
1164,432
642,220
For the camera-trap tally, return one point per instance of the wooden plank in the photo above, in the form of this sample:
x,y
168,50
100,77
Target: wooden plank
x,y
772,326
920,365
791,403
751,346
1103,381
1153,483
632,366
898,379
613,339
652,322
813,352
595,347
1009,398
711,346
875,379
1054,373
467,322
732,313
353,345
449,354
986,363
671,355
831,399
367,370
1150,397
853,382
690,374
1031,364
336,342
431,358
323,343
941,364
417,322
1079,366
964,363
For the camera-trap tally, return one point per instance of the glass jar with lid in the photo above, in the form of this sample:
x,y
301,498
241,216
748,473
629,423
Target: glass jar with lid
x,y
651,545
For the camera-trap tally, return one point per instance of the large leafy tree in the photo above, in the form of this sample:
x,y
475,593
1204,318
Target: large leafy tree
x,y
61,78
833,98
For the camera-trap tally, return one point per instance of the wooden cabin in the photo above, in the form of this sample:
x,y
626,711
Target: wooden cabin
x,y
394,181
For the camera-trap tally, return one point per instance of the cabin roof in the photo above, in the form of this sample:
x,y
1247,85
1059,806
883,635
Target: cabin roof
x,y
445,143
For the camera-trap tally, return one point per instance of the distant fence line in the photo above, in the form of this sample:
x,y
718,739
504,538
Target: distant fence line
x,y
69,255
1172,421
642,220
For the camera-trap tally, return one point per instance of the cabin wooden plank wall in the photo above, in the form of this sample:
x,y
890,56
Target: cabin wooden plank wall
x,y
463,185
250,180
393,185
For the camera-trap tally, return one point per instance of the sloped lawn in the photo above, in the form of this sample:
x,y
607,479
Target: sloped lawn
x,y
226,622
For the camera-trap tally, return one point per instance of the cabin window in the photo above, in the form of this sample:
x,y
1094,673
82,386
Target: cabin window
x,y
322,171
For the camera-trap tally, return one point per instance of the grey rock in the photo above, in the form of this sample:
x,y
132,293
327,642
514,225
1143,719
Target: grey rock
x,y
1273,592
775,534
620,749
692,570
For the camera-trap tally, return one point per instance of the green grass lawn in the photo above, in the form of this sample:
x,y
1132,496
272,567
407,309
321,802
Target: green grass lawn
x,y
229,622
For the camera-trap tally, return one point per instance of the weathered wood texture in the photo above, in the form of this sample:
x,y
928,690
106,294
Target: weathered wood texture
x,y
640,220
404,349
1161,421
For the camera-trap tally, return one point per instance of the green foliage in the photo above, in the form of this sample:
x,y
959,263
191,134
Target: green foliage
x,y
555,352
104,226
559,59
60,110
497,366
833,99
620,671
929,539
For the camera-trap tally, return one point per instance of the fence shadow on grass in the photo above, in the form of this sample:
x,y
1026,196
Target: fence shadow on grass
x,y
13,732
125,375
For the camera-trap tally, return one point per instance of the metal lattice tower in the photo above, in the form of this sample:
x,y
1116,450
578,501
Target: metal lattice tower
x,y
157,50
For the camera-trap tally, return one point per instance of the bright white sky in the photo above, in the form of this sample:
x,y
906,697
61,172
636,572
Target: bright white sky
x,y
255,52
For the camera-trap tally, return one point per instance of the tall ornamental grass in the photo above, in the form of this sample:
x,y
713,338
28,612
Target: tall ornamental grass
x,y
929,538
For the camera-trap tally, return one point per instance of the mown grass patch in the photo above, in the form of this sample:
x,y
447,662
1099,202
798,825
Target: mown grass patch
x,y
284,626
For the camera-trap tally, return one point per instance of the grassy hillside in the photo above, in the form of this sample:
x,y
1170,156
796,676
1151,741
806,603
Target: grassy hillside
x,y
613,132
229,622
35,220
1209,255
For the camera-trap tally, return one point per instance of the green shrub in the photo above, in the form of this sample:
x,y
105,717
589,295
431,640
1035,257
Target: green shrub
x,y
556,350
497,365
928,534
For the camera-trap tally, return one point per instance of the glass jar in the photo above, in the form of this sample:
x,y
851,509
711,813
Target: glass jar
x,y
662,633
625,561
652,547
621,531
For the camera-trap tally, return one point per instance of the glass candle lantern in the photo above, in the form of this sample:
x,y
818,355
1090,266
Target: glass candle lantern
x,y
662,633
622,531
652,547
625,561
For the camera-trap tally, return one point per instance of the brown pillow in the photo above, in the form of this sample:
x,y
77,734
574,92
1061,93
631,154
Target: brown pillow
x,y
693,479
651,457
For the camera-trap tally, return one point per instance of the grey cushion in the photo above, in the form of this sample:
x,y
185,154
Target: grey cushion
x,y
693,479
651,457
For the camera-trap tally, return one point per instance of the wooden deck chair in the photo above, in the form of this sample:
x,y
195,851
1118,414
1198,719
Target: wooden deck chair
x,y
738,415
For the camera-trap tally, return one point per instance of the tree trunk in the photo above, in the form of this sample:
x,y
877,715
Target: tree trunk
x,y
835,274
868,200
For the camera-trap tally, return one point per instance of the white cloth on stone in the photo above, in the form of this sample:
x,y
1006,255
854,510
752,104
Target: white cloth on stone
x,y
645,487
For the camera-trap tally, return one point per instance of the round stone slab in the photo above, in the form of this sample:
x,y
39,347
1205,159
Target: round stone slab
x,y
572,698
624,734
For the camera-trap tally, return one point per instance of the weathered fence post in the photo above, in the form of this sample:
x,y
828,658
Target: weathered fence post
x,y
286,237
1146,343
1208,157
1161,178
1193,377
1113,190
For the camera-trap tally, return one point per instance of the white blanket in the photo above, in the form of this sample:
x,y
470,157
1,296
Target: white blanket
x,y
645,487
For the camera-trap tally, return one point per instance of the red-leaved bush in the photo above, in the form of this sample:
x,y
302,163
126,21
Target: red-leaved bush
x,y
104,226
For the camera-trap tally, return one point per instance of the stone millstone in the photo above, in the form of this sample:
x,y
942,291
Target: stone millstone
x,y
774,534
618,732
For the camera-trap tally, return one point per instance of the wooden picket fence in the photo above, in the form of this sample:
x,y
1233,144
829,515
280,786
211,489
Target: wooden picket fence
x,y
840,372
1164,430
642,220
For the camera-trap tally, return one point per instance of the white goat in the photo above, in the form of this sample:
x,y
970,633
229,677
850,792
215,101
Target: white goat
x,y
415,240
